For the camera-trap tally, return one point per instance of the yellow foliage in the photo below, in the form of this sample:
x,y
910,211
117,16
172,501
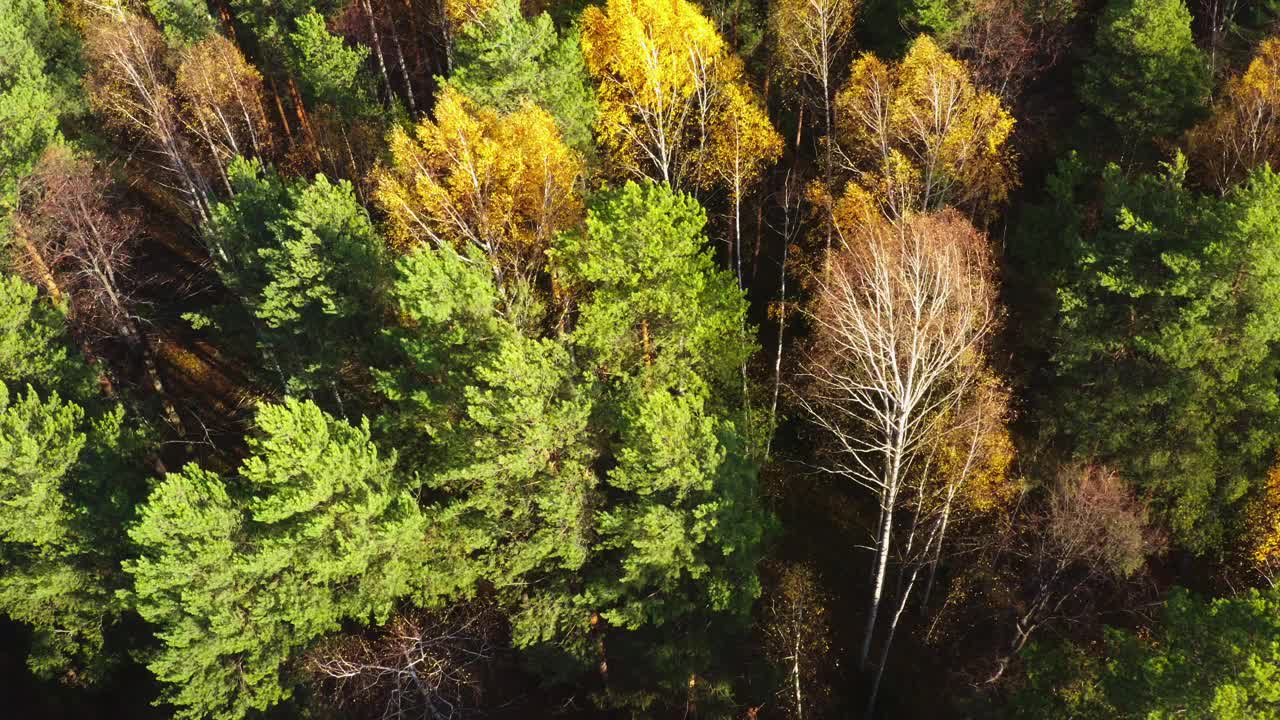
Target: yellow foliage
x,y
808,35
223,100
665,81
977,453
919,135
1244,130
503,183
461,12
743,143
1263,520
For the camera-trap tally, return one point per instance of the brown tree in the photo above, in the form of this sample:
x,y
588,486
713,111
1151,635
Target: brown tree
x,y
86,248
130,86
420,665
1090,537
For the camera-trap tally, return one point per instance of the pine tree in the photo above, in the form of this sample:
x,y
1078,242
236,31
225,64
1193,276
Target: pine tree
x,y
307,263
1146,78
240,573
506,61
1166,309
69,472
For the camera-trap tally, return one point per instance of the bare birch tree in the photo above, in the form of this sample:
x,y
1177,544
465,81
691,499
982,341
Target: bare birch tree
x,y
422,665
86,250
129,85
898,309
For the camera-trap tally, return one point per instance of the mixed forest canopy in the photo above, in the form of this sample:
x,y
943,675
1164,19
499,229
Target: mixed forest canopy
x,y
427,359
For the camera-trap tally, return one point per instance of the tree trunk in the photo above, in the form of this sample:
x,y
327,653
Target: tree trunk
x,y
889,499
377,51
404,69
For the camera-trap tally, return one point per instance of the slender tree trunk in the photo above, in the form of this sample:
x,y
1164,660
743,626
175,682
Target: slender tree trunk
x,y
377,51
404,69
38,266
888,642
782,327
795,670
889,498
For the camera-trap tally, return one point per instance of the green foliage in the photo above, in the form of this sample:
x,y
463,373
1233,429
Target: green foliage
x,y
658,305
506,61
1211,659
1146,78
448,303
1167,334
307,263
184,21
238,574
33,342
68,470
586,476
39,88
329,72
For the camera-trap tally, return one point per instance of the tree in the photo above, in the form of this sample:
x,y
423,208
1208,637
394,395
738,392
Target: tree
x,y
809,38
39,89
306,262
657,305
597,479
129,84
797,637
1008,43
184,22
1204,658
424,664
223,102
1091,536
85,246
917,135
744,145
240,574
680,535
897,313
660,67
504,184
1146,79
507,61
1244,130
68,472
329,72
1164,306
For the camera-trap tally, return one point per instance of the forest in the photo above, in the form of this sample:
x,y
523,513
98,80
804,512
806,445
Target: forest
x,y
750,359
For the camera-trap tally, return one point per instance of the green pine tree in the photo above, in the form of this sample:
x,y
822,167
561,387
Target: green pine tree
x,y
239,574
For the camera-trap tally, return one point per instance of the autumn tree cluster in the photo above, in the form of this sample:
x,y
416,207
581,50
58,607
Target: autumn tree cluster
x,y
640,358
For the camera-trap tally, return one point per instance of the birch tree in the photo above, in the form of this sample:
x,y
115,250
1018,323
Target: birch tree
x,y
504,184
810,37
917,135
88,250
660,67
897,311
1244,131
130,87
222,102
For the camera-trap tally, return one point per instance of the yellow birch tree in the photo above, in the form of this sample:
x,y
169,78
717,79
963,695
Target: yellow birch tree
x,y
918,135
1244,130
505,184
